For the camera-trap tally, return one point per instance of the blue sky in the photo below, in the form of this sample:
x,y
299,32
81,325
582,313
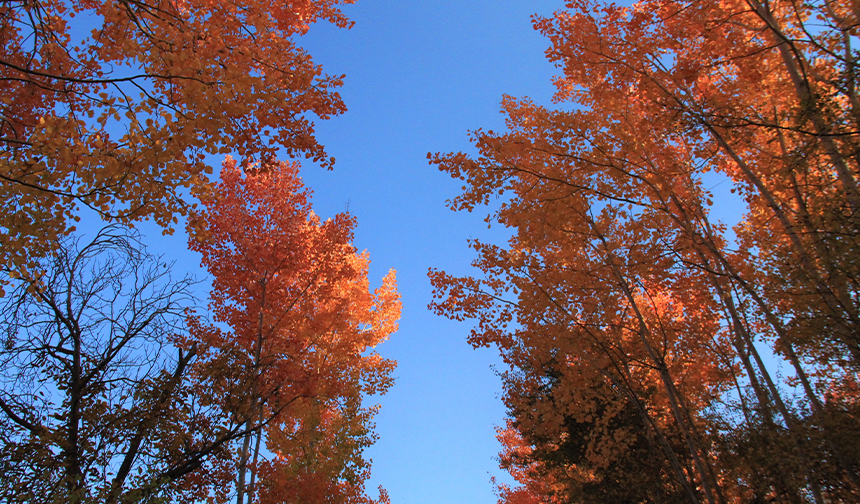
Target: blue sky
x,y
419,75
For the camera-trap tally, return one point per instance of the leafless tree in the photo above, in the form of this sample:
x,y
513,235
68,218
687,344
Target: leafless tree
x,y
97,403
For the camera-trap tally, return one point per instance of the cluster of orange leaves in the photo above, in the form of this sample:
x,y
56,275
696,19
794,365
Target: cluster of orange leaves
x,y
619,293
293,312
113,106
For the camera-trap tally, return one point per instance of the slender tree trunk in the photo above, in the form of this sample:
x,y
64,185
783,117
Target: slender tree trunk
x,y
251,487
241,488
73,473
243,462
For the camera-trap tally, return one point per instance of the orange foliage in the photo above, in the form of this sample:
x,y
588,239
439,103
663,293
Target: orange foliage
x,y
113,106
631,322
290,352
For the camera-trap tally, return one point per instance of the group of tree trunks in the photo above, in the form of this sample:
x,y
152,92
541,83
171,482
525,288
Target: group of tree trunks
x,y
655,354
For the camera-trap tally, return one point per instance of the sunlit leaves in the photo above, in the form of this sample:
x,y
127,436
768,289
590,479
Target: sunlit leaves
x,y
113,106
620,292
290,354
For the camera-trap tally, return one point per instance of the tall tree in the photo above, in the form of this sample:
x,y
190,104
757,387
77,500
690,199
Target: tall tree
x,y
619,293
113,106
289,354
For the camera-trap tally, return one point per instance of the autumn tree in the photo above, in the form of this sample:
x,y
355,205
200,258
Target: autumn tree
x,y
621,293
113,106
288,353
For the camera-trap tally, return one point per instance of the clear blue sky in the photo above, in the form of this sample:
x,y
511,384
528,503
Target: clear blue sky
x,y
419,75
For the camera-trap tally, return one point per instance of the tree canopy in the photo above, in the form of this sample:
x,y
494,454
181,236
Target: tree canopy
x,y
634,323
114,106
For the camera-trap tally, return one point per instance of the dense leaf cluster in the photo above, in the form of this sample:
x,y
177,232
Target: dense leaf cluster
x,y
114,106
620,285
